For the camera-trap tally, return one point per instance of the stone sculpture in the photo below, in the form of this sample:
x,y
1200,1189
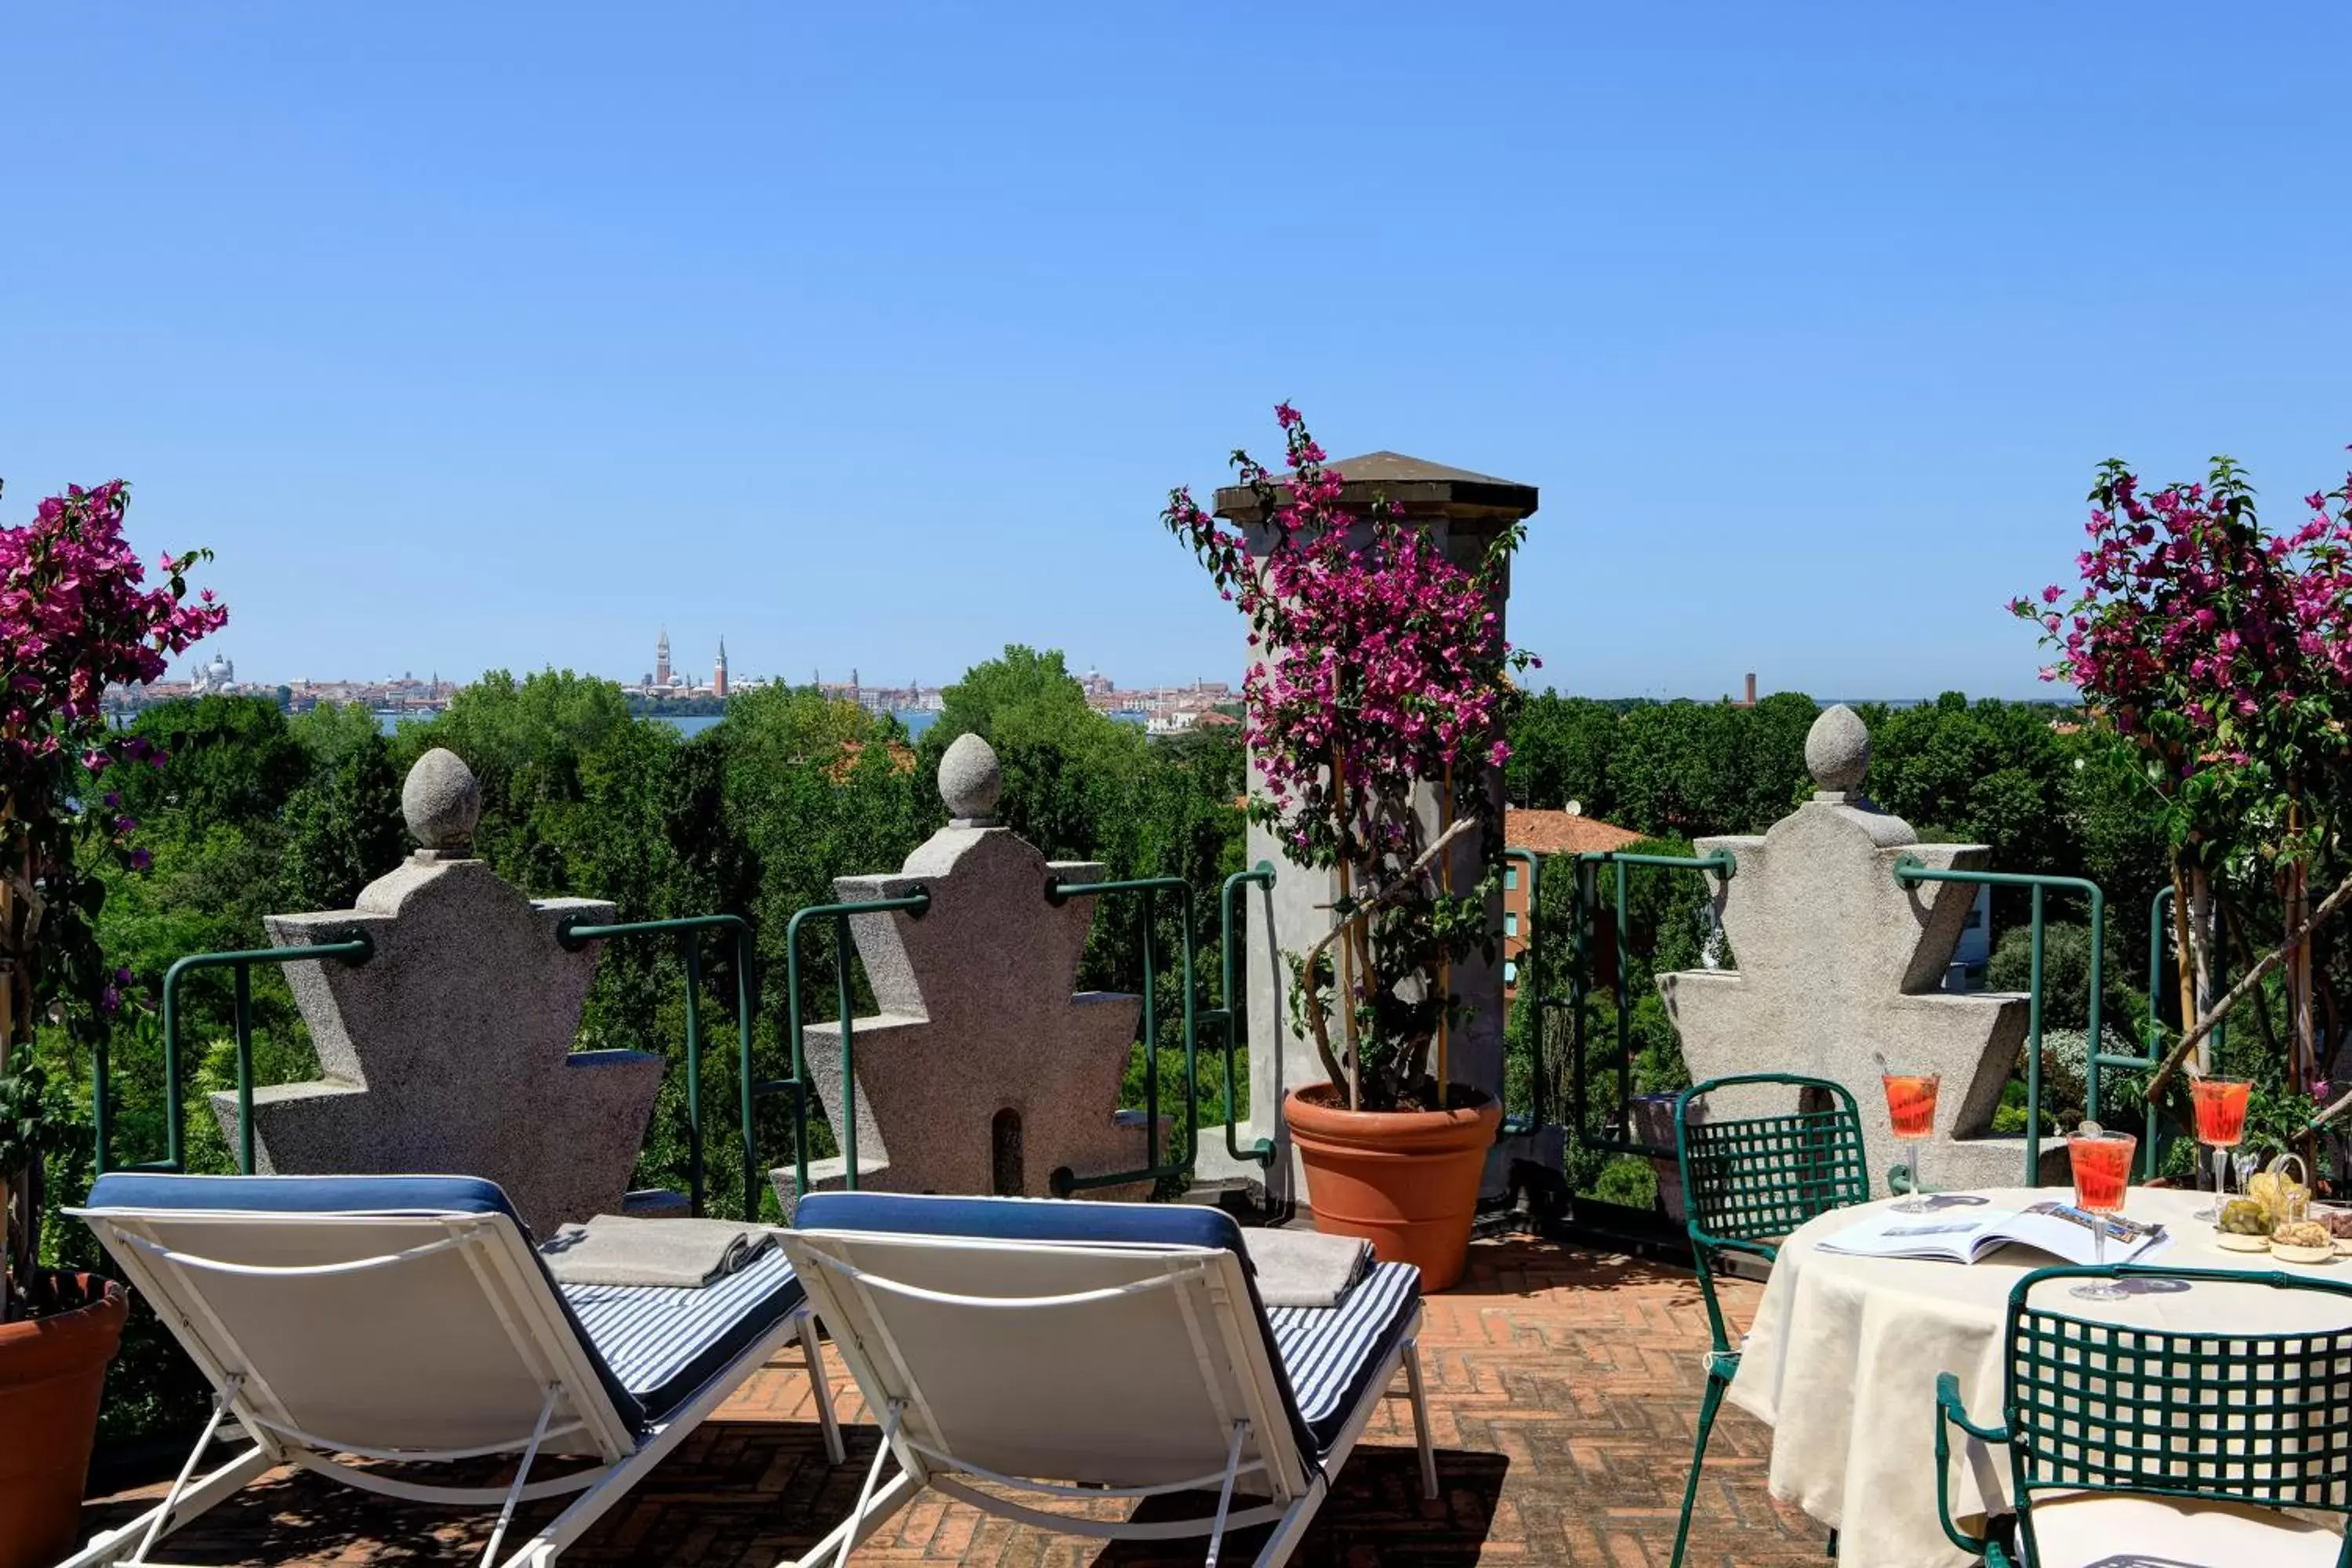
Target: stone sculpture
x,y
1839,967
982,1073
449,1050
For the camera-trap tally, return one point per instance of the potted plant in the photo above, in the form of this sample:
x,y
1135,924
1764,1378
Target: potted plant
x,y
74,619
1376,699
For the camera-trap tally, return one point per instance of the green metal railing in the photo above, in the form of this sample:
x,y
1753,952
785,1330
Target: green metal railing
x,y
1262,875
355,947
913,905
1529,983
1064,1182
1721,864
573,934
1910,872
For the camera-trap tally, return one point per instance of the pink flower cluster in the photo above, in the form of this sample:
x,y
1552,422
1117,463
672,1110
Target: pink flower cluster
x,y
2201,635
1380,663
75,617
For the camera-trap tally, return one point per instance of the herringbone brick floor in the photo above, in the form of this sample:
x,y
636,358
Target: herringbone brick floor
x,y
1563,1388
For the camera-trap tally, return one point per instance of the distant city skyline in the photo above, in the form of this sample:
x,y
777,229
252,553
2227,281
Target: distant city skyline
x,y
875,336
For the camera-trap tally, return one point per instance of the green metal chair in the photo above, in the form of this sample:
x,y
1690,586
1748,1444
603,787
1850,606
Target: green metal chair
x,y
1746,1185
2091,1407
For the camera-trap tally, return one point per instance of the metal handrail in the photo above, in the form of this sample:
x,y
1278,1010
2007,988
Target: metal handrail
x,y
1261,875
573,934
355,947
1720,864
1064,1181
1529,985
913,905
1910,872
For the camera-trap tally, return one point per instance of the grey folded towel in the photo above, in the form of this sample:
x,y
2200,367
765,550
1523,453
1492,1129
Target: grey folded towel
x,y
678,1254
1302,1268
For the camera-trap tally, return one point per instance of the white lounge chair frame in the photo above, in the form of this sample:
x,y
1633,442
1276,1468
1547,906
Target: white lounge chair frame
x,y
574,1414
845,1275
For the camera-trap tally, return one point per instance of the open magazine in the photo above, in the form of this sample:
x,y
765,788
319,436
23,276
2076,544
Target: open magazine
x,y
1968,1235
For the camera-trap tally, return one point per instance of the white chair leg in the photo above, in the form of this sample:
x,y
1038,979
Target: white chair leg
x,y
1419,1419
215,1489
1291,1527
821,1389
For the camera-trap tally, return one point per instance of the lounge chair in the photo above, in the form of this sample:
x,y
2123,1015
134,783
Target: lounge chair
x,y
1089,1351
408,1319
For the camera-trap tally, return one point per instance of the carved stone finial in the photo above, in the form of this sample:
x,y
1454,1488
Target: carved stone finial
x,y
969,782
442,800
1837,751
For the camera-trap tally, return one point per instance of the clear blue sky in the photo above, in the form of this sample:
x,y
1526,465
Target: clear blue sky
x,y
872,335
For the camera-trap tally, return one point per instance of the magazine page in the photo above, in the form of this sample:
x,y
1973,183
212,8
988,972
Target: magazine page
x,y
1956,1235
1961,1234
2064,1231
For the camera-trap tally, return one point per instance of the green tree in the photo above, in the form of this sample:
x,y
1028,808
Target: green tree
x,y
343,827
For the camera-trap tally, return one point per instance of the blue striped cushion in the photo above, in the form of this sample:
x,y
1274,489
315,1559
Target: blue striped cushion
x,y
664,1344
1330,1353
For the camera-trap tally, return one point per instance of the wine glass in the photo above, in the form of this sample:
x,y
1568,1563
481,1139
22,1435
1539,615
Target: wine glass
x,y
2101,1164
1911,1107
2221,1106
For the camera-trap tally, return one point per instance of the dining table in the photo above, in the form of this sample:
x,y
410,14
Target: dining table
x,y
1843,1358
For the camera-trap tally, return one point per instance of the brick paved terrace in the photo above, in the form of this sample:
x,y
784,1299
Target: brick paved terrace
x,y
1562,1387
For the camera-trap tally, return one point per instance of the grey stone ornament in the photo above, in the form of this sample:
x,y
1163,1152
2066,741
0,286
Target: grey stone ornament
x,y
442,801
970,781
1837,751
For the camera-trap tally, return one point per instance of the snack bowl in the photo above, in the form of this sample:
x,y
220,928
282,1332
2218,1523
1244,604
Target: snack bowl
x,y
2286,1253
2230,1241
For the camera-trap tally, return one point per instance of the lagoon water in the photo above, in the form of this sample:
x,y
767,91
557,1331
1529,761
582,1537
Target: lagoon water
x,y
916,720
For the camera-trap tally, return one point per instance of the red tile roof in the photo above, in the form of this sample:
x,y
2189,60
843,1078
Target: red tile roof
x,y
1562,833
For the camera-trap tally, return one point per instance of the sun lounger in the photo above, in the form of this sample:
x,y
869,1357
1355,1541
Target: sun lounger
x,y
1084,1351
408,1319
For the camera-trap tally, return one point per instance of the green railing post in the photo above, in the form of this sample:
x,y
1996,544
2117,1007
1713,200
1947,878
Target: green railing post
x,y
913,905
1529,983
1064,1181
1722,865
1910,872
573,934
356,947
241,978
1262,875
693,956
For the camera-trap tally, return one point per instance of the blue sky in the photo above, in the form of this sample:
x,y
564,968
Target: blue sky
x,y
872,335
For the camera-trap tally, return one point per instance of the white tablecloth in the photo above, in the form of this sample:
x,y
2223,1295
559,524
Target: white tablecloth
x,y
1843,1359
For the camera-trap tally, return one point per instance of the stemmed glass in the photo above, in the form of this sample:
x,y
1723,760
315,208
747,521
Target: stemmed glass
x,y
1911,1107
2220,1107
2102,1162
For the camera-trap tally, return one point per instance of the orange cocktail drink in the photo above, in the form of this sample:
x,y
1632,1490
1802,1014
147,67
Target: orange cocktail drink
x,y
2102,1162
1911,1107
2102,1171
2220,1107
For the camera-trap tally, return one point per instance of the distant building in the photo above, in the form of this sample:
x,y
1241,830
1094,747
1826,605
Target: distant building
x,y
1549,834
214,676
719,672
661,659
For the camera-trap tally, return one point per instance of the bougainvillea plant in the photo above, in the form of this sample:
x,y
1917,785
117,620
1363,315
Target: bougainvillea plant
x,y
2221,651
76,617
1378,676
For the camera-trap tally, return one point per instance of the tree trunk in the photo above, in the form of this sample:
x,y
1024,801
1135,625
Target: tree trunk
x,y
2199,977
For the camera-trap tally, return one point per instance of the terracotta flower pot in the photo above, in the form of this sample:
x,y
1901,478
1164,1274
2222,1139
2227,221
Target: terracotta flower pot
x,y
1405,1180
51,1370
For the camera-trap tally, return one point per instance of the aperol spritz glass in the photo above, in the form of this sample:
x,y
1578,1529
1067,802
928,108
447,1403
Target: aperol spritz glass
x,y
1911,1107
2220,1107
2101,1166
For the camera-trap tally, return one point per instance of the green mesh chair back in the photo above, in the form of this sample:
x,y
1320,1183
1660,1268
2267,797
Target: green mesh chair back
x,y
2104,1406
1747,1183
